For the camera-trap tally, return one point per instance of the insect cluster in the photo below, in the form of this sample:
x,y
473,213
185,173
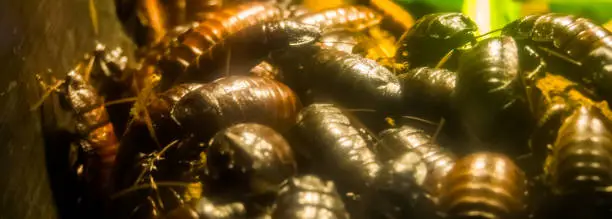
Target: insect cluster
x,y
236,109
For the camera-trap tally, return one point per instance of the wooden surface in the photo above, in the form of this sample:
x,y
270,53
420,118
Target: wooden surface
x,y
40,36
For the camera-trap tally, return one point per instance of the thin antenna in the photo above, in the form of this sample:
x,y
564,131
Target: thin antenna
x,y
93,15
438,130
420,120
559,55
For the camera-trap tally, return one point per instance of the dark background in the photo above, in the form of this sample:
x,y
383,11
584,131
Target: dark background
x,y
40,37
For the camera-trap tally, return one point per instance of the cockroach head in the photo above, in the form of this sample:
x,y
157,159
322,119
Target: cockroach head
x,y
299,34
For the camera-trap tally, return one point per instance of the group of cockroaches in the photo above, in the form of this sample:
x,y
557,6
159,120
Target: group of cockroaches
x,y
269,110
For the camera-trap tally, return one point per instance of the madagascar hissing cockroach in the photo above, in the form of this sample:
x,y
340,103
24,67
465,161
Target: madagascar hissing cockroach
x,y
204,208
484,185
580,161
428,89
339,144
237,99
309,197
200,57
433,36
396,142
490,95
255,157
348,79
353,17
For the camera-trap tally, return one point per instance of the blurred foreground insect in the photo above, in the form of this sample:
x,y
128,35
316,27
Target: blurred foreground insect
x,y
253,156
296,200
352,18
432,38
237,99
484,185
490,95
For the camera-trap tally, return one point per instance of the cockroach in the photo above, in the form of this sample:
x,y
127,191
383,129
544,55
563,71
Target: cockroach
x,y
581,156
334,138
347,79
205,208
395,142
309,197
599,63
484,185
429,89
237,99
255,156
490,94
353,18
433,36
202,51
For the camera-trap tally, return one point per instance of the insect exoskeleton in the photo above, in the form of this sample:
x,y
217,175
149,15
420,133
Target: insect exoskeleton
x,y
433,36
428,89
237,99
296,200
254,155
354,18
580,160
484,185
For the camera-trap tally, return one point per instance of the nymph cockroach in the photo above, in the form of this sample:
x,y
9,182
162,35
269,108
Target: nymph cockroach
x,y
253,156
433,36
196,56
353,18
207,209
237,99
395,142
484,185
340,144
490,95
429,89
581,156
296,200
347,79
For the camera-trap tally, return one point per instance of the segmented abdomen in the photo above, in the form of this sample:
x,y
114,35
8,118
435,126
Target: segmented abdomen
x,y
396,142
581,159
575,36
308,197
332,134
237,99
98,135
484,185
355,18
429,85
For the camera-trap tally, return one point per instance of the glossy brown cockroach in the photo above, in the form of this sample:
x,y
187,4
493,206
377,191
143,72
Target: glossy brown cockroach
x,y
395,142
347,79
427,87
353,18
237,99
432,37
199,55
484,185
341,144
296,200
205,208
254,156
581,156
490,95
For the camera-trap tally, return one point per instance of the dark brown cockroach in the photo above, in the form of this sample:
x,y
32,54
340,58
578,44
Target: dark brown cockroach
x,y
205,208
347,79
395,142
237,99
581,157
197,56
433,36
484,185
340,144
490,95
296,200
354,18
429,89
255,157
